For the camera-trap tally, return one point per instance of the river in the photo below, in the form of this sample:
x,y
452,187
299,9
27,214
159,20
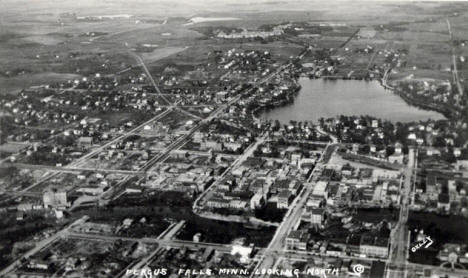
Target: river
x,y
328,98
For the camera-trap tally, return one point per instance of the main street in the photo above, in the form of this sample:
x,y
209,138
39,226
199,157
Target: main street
x,y
290,220
248,152
400,237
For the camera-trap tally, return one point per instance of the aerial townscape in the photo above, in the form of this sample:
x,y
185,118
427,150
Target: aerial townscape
x,y
295,138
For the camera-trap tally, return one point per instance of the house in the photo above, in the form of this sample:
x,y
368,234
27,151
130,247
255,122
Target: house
x,y
213,145
396,158
355,148
347,170
71,263
38,264
234,146
20,216
197,237
297,240
398,148
85,141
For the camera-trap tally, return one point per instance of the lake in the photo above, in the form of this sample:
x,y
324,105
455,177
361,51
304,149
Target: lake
x,y
328,98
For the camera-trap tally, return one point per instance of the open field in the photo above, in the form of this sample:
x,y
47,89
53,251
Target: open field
x,y
37,42
14,84
161,53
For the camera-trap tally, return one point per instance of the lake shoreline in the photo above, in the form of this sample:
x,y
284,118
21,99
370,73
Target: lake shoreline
x,y
322,92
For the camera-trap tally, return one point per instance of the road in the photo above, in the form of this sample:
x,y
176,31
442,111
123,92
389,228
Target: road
x,y
247,153
281,68
456,78
142,64
170,232
96,151
224,248
385,79
289,221
185,138
167,241
175,145
400,237
117,190
323,132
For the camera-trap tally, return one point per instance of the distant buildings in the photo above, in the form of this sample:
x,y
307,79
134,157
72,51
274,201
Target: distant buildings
x,y
277,31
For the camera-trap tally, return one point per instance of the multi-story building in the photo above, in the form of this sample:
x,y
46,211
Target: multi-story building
x,y
297,240
256,201
284,197
316,216
373,246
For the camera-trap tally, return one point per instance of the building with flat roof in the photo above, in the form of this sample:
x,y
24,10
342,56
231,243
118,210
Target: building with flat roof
x,y
373,246
316,216
284,198
297,240
320,188
55,199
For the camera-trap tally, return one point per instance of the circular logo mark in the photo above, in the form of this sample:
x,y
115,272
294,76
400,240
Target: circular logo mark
x,y
358,269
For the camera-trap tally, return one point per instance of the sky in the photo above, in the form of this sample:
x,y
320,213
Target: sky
x,y
172,7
